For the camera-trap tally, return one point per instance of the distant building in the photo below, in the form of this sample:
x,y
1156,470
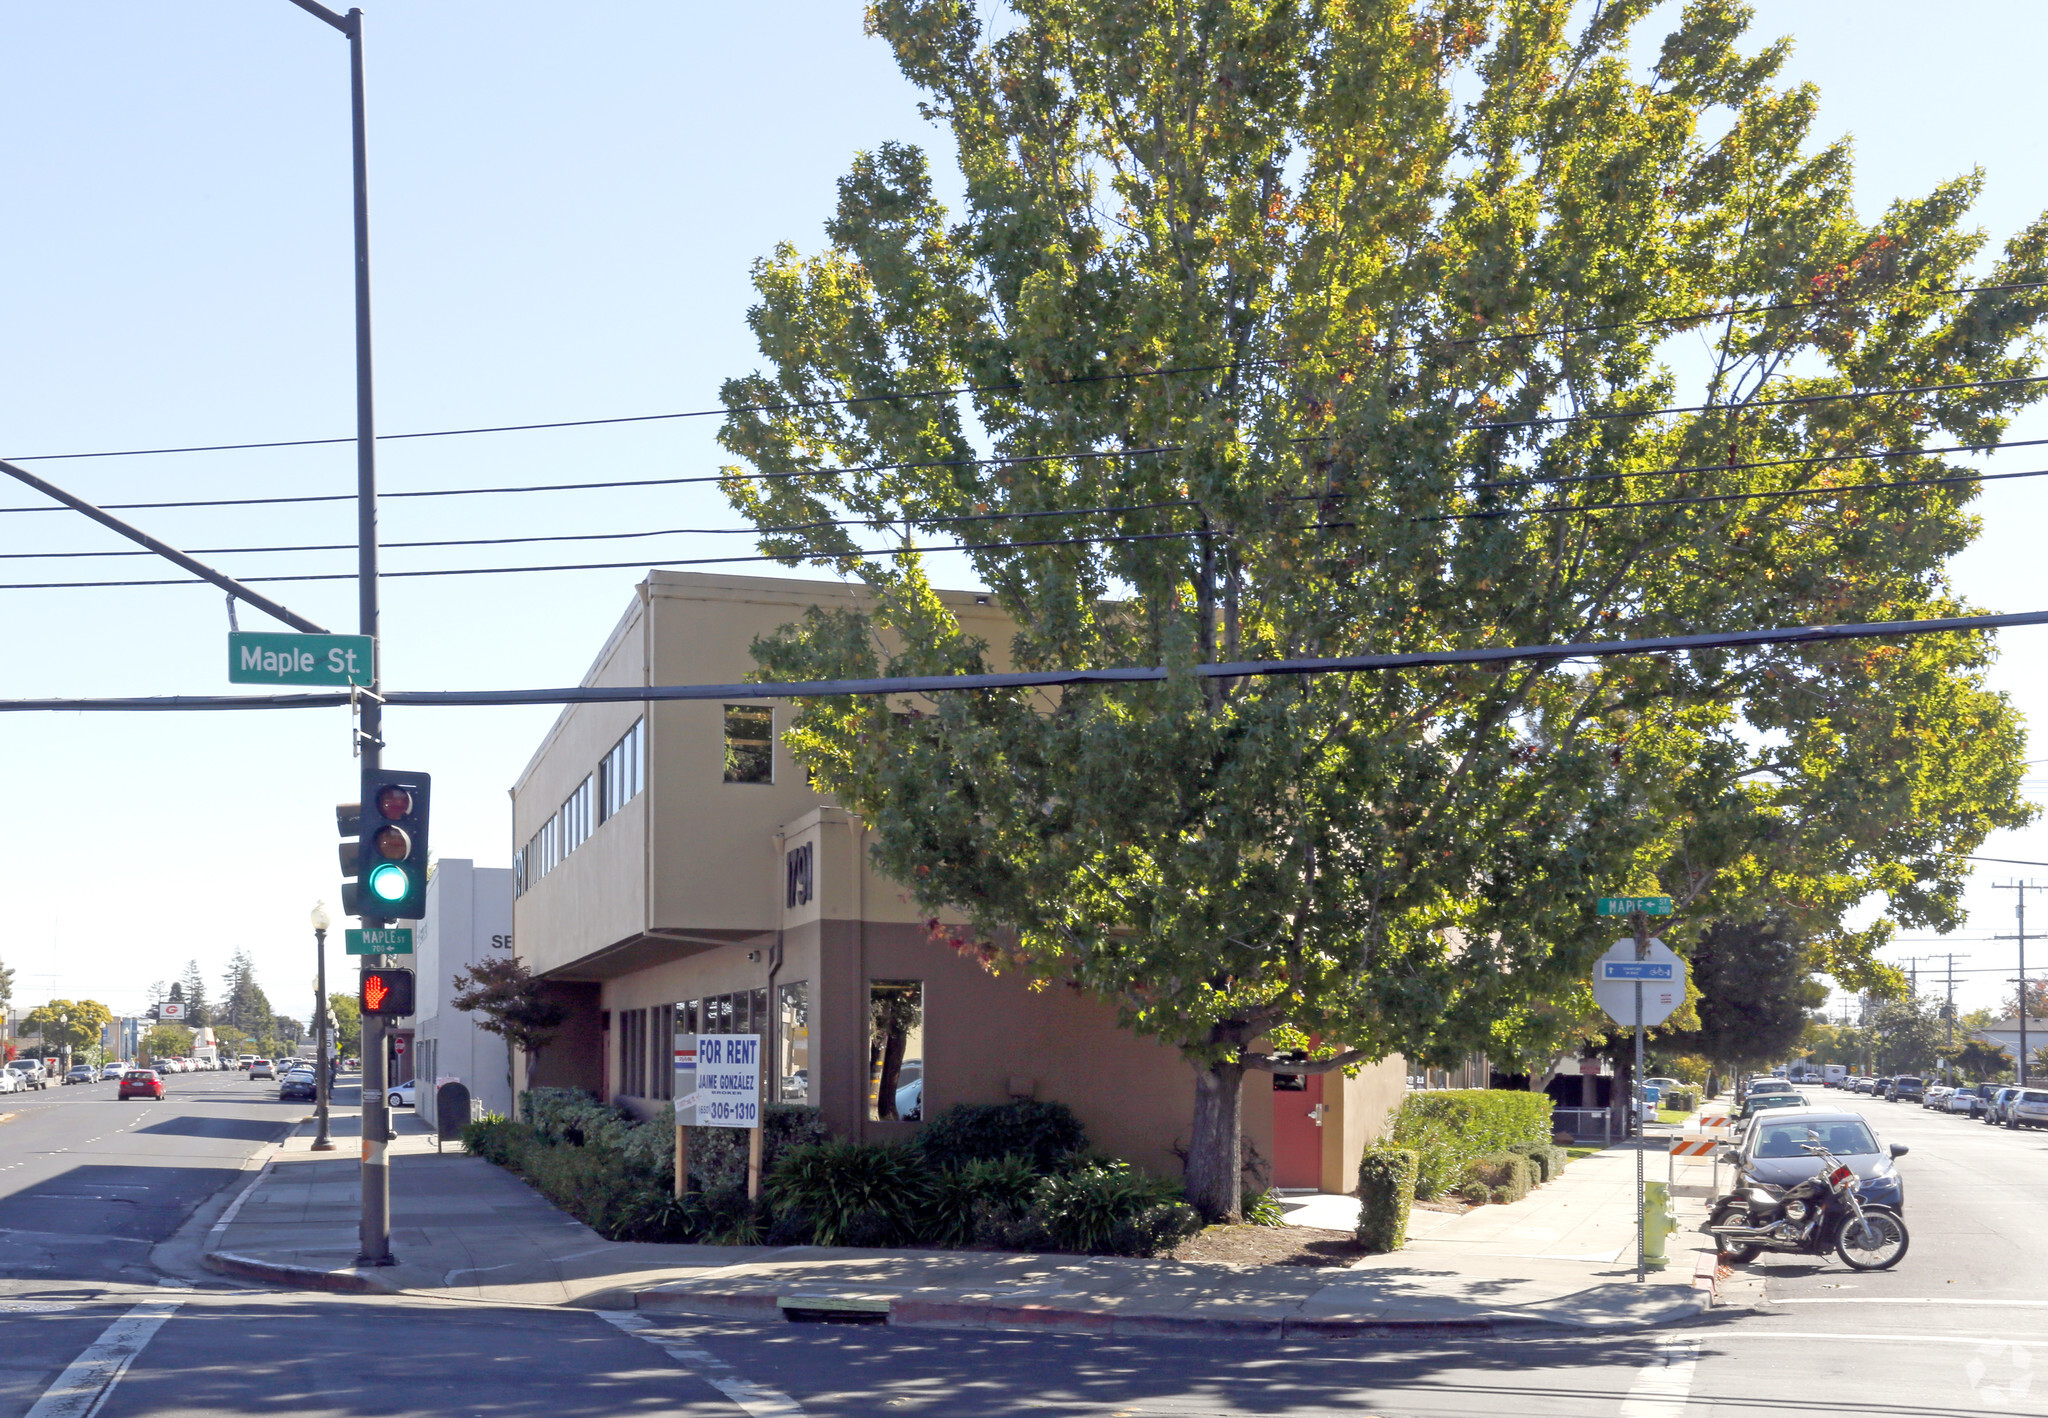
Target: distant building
x,y
468,920
2005,1034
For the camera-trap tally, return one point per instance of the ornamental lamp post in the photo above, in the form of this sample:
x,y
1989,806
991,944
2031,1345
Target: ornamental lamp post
x,y
321,921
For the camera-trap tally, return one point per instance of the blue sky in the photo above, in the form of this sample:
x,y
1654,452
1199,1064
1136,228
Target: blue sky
x,y
565,203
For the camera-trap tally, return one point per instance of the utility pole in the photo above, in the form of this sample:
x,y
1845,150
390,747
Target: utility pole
x,y
2020,1070
375,1231
1949,1011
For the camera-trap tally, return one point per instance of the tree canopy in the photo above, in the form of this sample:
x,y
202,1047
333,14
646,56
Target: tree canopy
x,y
1302,329
68,1026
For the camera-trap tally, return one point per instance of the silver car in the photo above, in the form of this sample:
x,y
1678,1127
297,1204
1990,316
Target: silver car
x,y
2028,1109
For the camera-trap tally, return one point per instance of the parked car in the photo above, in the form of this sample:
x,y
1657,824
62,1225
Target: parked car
x,y
1773,1154
1935,1098
32,1073
1968,1100
141,1083
82,1073
2028,1108
299,1083
401,1095
10,1082
1865,1085
1906,1088
114,1070
262,1068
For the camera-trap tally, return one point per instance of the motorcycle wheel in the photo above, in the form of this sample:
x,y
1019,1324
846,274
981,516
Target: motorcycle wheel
x,y
1734,1255
1878,1244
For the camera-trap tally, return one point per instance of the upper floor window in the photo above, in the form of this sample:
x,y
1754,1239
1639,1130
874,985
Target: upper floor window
x,y
749,743
623,773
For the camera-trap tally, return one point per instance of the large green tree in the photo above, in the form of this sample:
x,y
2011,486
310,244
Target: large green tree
x,y
1907,1035
1757,991
1312,329
68,1026
243,1004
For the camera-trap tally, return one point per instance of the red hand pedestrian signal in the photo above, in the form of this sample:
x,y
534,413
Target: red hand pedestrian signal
x,y
387,992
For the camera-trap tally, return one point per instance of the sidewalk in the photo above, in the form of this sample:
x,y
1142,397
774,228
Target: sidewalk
x,y
464,1229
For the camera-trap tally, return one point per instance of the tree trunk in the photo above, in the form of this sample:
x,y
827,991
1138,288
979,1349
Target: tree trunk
x,y
1214,1181
1621,1102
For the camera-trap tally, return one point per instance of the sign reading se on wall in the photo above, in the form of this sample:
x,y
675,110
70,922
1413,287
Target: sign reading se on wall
x,y
727,1082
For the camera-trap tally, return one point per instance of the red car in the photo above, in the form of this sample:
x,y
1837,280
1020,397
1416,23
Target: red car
x,y
141,1083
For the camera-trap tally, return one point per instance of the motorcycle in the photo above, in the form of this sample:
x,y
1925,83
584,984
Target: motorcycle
x,y
1813,1217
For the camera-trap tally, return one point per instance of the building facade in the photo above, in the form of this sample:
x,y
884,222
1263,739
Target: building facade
x,y
673,872
468,920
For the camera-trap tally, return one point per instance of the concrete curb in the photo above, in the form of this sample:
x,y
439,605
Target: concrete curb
x,y
910,1313
346,1281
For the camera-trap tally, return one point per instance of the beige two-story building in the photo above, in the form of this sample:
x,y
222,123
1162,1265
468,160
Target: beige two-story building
x,y
674,872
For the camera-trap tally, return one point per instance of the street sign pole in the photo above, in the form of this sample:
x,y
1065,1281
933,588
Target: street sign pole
x,y
375,1231
1635,1089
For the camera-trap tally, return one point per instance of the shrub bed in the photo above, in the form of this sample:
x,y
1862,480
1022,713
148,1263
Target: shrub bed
x,y
1010,1176
1450,1127
1547,1158
1498,1176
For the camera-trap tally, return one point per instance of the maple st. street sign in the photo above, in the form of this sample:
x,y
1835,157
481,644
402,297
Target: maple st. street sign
x,y
335,661
1629,905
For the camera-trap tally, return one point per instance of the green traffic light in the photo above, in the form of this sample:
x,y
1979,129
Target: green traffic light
x,y
389,882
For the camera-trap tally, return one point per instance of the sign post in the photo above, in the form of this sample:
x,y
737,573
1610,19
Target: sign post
x,y
1639,982
728,1092
685,1092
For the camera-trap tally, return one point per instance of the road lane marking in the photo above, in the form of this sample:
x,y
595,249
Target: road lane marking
x,y
1906,1336
1905,1300
755,1400
1663,1388
81,1389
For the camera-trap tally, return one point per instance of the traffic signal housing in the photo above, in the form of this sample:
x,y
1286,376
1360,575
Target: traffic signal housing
x,y
386,992
391,847
348,820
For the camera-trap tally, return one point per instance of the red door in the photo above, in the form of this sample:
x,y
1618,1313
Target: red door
x,y
1297,1139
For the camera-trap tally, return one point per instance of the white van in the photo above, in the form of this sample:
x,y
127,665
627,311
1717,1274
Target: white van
x,y
1834,1075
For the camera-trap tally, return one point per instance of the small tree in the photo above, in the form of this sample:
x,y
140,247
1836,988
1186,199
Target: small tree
x,y
348,1023
69,1025
167,1040
1975,1058
514,1006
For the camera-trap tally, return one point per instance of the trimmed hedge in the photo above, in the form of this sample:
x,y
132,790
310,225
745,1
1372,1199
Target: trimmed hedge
x,y
1547,1158
1386,1190
1447,1128
1499,1176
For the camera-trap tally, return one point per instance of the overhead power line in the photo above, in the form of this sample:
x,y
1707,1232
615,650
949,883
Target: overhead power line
x,y
1085,454
1043,679
956,390
1089,539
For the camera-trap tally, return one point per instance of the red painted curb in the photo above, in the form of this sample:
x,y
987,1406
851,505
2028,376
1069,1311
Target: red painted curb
x,y
304,1277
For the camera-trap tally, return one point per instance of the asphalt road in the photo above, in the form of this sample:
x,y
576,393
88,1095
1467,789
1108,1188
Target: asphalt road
x,y
1961,1327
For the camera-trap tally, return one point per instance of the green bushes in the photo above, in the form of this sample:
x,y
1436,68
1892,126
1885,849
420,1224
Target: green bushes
x,y
1448,1128
1386,1187
863,1195
951,1187
1547,1158
1044,1134
1497,1176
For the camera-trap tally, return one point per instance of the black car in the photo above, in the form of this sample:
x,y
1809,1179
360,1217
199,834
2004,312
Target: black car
x,y
298,1084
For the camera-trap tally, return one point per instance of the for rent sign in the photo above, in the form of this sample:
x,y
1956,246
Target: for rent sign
x,y
728,1080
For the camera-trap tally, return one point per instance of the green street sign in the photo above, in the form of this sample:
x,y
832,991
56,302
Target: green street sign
x,y
1629,905
384,940
261,657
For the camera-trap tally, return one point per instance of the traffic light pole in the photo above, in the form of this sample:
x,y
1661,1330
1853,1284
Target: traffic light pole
x,y
375,1233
